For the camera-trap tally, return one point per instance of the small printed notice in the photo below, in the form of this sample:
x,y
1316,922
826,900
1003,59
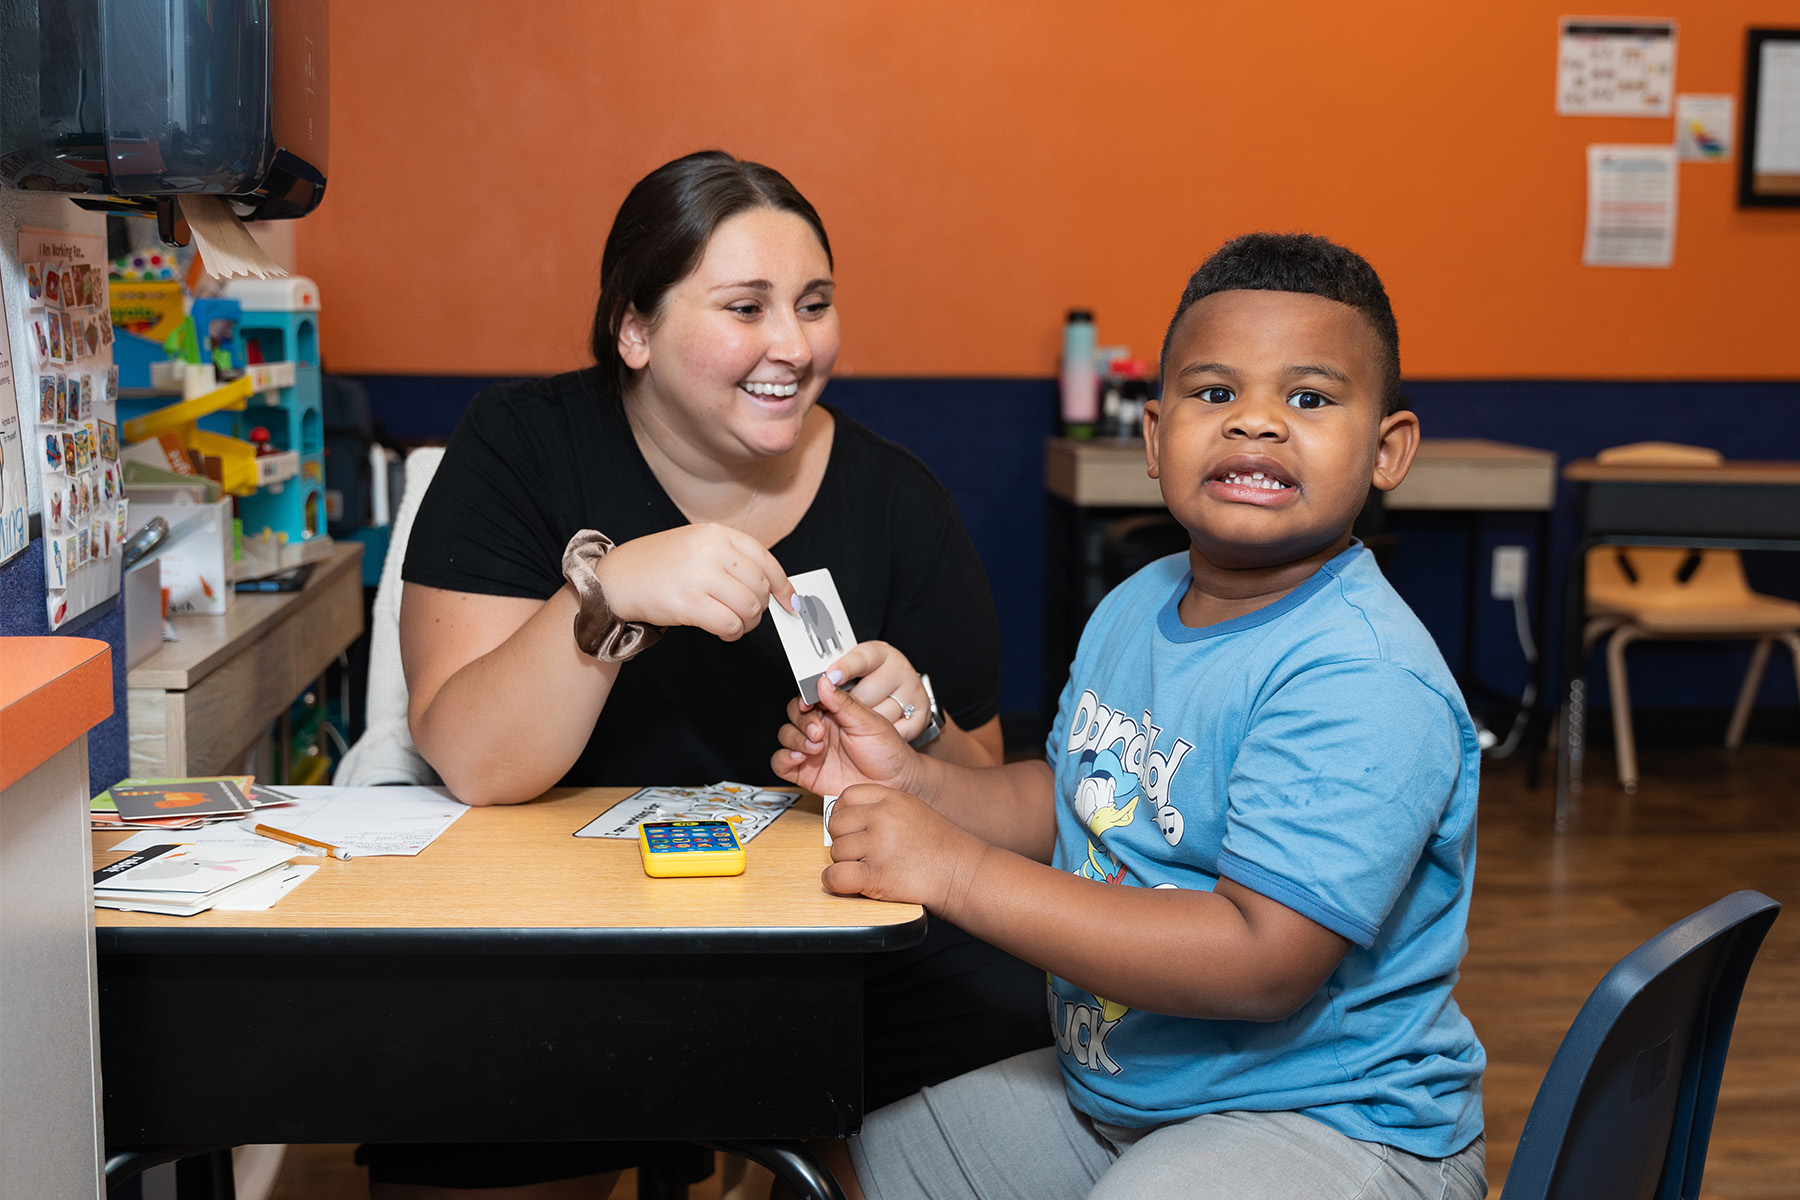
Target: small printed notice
x,y
1703,127
1615,68
749,809
1630,207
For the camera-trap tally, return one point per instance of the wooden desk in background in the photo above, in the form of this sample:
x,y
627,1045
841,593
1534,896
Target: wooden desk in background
x,y
1733,506
1448,474
197,706
511,983
1093,483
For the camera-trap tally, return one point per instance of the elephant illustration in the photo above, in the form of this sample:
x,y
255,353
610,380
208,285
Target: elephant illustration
x,y
821,630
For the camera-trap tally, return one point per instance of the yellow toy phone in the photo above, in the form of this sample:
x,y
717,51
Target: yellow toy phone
x,y
678,848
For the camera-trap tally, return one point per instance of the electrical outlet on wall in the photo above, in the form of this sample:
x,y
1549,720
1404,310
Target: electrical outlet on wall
x,y
1508,577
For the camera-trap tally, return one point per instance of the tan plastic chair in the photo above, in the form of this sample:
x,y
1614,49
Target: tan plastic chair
x,y
1649,593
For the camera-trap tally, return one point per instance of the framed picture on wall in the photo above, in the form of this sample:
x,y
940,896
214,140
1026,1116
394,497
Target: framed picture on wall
x,y
1769,166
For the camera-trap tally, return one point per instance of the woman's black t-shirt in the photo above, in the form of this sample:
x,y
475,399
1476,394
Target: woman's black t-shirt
x,y
531,464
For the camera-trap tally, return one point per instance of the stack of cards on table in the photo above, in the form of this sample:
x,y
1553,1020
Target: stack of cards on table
x,y
180,803
184,880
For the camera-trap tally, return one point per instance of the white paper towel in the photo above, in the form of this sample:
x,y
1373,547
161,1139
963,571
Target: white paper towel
x,y
226,247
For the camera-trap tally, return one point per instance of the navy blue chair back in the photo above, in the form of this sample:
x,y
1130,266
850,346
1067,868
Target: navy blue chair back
x,y
1626,1109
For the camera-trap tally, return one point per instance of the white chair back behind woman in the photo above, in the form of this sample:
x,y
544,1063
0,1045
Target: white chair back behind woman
x,y
385,753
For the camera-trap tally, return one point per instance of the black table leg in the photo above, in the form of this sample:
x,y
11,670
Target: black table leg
x,y
1571,692
792,1163
122,1166
667,1174
1544,706
206,1177
1471,598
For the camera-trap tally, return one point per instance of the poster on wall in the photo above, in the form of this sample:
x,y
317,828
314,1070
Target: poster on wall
x,y
1606,67
73,392
1704,126
1630,207
14,530
1769,168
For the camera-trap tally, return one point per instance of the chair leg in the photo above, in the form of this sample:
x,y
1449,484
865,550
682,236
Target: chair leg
x,y
1624,744
792,1163
1740,712
1793,644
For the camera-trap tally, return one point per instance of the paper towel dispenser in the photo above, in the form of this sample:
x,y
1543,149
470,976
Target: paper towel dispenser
x,y
124,104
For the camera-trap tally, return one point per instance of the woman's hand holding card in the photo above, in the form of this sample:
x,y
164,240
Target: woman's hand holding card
x,y
887,682
711,577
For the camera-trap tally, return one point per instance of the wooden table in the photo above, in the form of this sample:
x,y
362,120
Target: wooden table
x,y
197,706
1741,505
511,983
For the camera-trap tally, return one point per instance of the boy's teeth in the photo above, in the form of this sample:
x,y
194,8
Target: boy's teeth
x,y
1255,479
770,389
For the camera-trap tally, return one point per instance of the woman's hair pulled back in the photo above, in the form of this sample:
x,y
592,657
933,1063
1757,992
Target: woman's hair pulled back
x,y
661,234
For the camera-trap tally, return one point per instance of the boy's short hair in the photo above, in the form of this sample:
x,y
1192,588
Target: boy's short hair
x,y
1301,262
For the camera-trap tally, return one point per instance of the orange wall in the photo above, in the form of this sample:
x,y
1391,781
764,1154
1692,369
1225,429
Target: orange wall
x,y
984,166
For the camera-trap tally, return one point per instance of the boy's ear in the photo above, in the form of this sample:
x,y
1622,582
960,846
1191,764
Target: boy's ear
x,y
1152,415
1396,443
634,339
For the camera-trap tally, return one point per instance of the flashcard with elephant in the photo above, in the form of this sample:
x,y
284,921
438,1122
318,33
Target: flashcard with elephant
x,y
818,634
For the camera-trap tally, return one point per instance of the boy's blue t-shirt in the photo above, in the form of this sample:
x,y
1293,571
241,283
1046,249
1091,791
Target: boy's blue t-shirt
x,y
1317,752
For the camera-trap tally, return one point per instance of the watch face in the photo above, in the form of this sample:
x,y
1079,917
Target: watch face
x,y
931,731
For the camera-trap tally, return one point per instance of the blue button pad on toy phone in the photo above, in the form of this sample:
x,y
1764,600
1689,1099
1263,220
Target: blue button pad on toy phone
x,y
676,839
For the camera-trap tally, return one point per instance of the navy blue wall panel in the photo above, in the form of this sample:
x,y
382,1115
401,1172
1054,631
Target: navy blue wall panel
x,y
22,615
984,438
1577,419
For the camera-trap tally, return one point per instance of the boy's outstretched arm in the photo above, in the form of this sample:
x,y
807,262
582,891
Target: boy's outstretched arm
x,y
1227,954
840,742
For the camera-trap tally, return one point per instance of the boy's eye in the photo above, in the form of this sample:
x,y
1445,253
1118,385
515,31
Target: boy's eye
x,y
1308,400
1215,395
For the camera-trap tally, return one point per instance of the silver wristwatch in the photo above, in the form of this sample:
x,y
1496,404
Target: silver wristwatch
x,y
930,733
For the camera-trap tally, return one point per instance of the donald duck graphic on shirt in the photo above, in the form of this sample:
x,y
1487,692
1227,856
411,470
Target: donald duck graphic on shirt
x,y
1106,798
1119,765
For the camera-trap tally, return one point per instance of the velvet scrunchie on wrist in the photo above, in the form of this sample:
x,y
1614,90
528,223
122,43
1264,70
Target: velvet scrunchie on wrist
x,y
597,631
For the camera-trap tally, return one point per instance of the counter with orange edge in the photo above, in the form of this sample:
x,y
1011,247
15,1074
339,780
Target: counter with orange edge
x,y
53,690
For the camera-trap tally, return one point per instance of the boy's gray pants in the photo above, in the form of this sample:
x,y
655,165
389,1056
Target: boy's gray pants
x,y
1008,1132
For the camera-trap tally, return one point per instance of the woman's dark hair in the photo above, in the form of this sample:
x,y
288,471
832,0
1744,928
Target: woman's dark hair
x,y
661,233
1301,262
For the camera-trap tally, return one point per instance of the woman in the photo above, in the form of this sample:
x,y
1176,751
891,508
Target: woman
x,y
698,448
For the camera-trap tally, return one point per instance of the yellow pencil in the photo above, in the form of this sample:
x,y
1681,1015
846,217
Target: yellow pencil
x,y
298,839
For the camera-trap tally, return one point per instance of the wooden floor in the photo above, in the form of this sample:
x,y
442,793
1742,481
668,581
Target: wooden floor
x,y
1551,914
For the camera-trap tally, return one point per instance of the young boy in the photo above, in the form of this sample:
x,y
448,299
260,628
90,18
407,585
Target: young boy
x,y
1261,744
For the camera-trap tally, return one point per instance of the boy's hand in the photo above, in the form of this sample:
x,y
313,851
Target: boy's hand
x,y
841,742
888,845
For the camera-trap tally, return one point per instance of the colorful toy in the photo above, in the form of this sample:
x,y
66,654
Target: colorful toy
x,y
279,323
674,849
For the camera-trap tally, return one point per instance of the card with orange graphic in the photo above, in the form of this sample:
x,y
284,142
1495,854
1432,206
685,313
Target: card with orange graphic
x,y
137,799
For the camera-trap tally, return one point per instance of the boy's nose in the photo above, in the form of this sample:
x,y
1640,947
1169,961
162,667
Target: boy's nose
x,y
1257,419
